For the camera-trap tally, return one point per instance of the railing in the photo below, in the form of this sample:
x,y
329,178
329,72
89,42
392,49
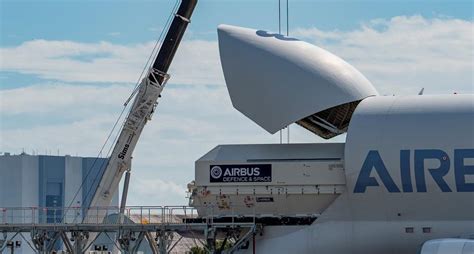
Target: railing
x,y
132,215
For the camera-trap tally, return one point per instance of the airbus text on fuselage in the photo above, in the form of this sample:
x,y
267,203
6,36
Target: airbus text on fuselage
x,y
374,164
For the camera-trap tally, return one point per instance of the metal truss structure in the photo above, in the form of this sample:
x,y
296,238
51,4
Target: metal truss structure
x,y
157,226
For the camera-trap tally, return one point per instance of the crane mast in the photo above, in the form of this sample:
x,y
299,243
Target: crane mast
x,y
140,113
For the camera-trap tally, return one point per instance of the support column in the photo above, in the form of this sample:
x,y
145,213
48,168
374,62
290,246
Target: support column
x,y
152,243
44,240
128,242
80,239
211,239
123,201
164,241
67,243
3,241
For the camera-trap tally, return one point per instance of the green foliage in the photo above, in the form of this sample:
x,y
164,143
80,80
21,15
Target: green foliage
x,y
202,250
198,250
227,245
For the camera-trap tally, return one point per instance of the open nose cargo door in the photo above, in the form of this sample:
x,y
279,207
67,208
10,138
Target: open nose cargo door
x,y
276,80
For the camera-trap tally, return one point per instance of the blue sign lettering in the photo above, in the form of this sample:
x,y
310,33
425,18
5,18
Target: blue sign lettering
x,y
374,163
461,169
405,171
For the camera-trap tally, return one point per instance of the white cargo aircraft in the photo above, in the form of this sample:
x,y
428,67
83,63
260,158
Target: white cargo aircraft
x,y
408,161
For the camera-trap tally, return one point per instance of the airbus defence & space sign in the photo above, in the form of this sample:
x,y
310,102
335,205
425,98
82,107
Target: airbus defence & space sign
x,y
241,173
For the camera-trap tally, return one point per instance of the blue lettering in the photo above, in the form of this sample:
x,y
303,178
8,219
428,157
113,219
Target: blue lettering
x,y
436,173
374,161
461,169
405,171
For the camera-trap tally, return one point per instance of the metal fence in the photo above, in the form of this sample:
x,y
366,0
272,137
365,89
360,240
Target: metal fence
x,y
110,215
97,215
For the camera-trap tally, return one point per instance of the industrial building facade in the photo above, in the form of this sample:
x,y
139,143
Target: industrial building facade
x,y
48,181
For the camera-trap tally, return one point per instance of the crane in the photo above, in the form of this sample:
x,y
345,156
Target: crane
x,y
140,113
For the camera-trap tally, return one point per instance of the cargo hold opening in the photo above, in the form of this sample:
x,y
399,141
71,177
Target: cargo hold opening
x,y
330,122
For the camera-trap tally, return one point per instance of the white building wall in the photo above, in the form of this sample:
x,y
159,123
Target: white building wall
x,y
10,181
19,187
73,180
29,181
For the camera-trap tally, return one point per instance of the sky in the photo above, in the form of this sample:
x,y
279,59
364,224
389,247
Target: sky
x,y
67,67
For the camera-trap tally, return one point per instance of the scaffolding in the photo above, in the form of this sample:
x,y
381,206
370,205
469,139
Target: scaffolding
x,y
161,227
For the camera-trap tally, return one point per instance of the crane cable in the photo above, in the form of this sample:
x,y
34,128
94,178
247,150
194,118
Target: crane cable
x,y
152,55
134,91
287,34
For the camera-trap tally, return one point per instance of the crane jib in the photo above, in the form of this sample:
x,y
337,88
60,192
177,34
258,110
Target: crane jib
x,y
172,39
141,110
124,151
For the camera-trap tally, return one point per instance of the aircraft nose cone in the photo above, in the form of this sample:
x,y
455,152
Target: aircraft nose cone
x,y
276,80
226,30
232,37
223,28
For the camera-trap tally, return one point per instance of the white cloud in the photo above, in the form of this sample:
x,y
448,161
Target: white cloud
x,y
187,124
155,191
196,61
399,55
62,99
403,54
183,116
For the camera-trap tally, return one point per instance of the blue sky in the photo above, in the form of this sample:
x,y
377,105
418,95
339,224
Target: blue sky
x,y
91,21
67,67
